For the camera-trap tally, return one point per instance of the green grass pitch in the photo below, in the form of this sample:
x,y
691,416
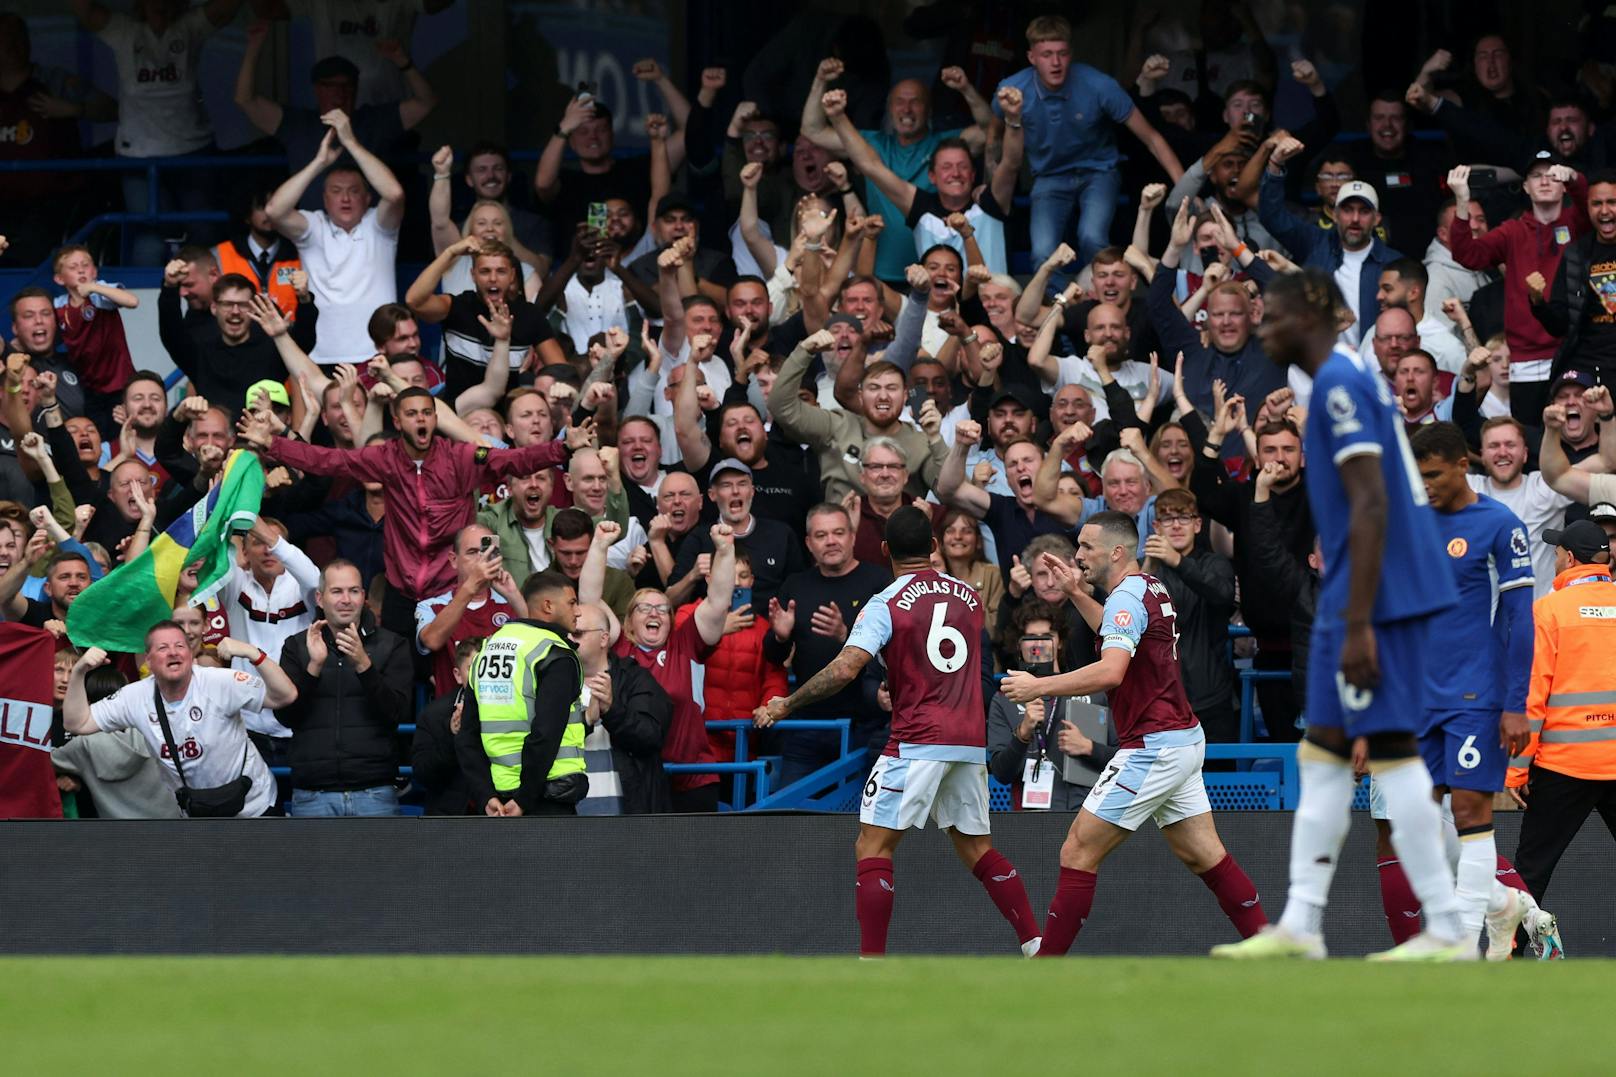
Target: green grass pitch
x,y
660,1017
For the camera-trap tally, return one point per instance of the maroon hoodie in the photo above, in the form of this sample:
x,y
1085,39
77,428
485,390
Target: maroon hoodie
x,y
1527,246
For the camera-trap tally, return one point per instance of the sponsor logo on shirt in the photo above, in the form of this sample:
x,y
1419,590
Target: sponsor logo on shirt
x,y
242,677
1122,618
166,73
20,133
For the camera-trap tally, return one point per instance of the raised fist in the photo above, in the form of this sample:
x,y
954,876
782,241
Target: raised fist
x,y
830,69
834,102
819,342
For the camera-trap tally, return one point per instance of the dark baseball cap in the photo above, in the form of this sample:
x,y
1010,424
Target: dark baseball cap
x,y
675,201
1542,157
1579,378
1602,510
1584,538
333,67
1017,392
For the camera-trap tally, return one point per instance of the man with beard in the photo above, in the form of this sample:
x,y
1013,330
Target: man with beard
x,y
33,333
145,405
488,175
1528,494
1015,518
1230,503
1406,171
1111,281
593,289
353,688
1008,414
839,437
1351,251
1109,359
773,546
66,575
225,354
428,482
674,656
520,523
1414,384
1403,284
679,508
809,620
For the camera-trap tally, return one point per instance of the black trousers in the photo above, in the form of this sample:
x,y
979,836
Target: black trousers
x,y
703,799
1556,807
1277,699
1527,399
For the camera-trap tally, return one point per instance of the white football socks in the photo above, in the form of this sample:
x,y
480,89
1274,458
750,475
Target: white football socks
x,y
1450,833
1417,837
1477,879
1323,815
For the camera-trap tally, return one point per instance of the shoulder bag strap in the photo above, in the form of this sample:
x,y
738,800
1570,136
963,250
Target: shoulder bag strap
x,y
168,734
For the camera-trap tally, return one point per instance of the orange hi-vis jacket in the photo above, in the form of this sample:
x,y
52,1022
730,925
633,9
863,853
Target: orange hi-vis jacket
x,y
1571,706
232,259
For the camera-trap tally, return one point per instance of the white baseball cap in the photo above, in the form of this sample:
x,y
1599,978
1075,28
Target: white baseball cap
x,y
1358,189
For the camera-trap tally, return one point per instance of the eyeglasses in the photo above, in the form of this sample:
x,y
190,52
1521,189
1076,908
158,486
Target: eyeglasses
x,y
883,467
1176,521
1342,177
759,136
646,607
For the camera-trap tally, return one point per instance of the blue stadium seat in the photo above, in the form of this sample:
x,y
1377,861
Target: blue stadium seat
x,y
999,796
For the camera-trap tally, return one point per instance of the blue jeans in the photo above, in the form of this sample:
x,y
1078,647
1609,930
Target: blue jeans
x,y
1094,195
378,800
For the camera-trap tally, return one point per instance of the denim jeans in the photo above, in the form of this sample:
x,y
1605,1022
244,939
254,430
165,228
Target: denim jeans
x,y
1054,197
378,800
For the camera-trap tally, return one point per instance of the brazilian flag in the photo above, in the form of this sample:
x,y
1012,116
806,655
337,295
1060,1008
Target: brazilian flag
x,y
115,611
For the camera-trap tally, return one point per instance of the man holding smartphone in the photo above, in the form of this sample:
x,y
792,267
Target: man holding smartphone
x,y
484,598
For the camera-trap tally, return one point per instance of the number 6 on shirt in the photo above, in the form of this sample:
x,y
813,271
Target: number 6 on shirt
x,y
941,633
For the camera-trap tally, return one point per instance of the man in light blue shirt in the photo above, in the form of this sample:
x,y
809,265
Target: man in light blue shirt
x,y
1069,111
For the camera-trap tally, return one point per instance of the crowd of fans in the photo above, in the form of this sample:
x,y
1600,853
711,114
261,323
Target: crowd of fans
x,y
615,380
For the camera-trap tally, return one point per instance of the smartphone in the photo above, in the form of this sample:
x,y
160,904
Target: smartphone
x,y
1040,669
587,91
917,400
597,218
1483,177
489,548
741,596
1209,254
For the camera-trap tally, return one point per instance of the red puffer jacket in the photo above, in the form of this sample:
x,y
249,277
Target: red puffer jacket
x,y
738,681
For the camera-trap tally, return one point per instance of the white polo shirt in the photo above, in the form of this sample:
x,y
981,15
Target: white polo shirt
x,y
207,726
350,274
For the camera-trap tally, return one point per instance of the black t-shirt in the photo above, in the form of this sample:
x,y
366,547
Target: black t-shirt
x,y
464,337
783,487
931,202
628,179
810,590
1597,349
37,614
1012,530
775,550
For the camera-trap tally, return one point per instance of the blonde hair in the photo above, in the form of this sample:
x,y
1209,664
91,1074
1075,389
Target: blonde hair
x,y
1048,28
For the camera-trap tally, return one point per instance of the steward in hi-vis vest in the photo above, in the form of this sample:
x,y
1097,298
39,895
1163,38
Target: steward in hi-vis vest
x,y
521,743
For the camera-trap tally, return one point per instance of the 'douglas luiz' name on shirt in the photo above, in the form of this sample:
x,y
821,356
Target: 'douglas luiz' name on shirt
x,y
1353,415
927,626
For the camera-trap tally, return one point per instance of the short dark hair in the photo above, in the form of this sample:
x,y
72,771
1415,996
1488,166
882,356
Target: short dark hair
x,y
1422,354
1118,527
409,393
691,302
146,375
828,508
335,563
571,524
384,320
1245,86
909,536
955,143
1033,608
1409,269
234,282
733,405
61,557
485,148
30,292
1390,95
197,254
1273,427
563,373
936,247
1445,441
548,582
748,278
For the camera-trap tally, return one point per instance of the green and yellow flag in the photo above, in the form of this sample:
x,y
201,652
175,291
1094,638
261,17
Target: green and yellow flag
x,y
115,611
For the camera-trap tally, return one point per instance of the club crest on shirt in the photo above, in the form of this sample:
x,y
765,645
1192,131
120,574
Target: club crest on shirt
x,y
500,619
69,377
196,714
1343,412
1458,548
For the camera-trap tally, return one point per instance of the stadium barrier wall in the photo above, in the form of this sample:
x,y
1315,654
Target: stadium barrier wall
x,y
731,884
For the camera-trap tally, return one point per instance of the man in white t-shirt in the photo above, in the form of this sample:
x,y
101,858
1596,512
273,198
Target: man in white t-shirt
x,y
364,32
1528,495
203,707
1402,284
349,248
269,596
